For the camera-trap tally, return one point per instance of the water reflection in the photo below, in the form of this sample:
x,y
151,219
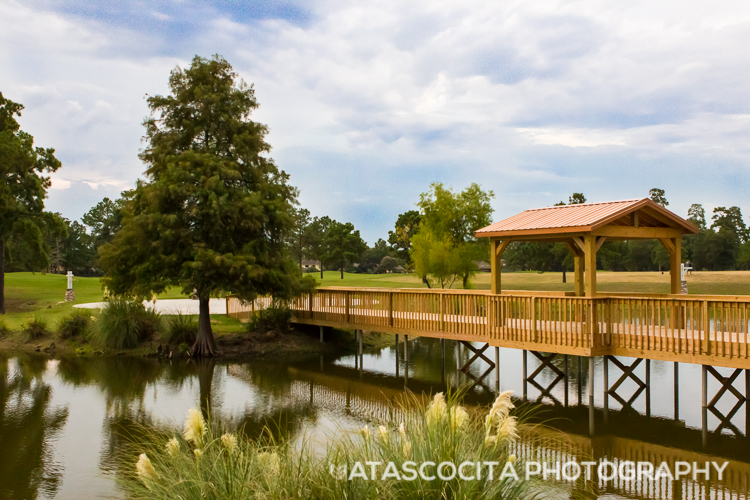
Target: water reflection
x,y
29,423
69,423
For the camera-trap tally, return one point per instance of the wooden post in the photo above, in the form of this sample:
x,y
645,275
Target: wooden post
x,y
706,329
390,311
648,387
566,379
321,335
591,397
674,266
311,306
704,405
346,305
442,312
497,248
497,370
578,260
533,320
589,243
676,390
525,374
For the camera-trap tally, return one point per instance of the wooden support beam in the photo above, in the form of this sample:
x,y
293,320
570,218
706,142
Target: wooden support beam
x,y
635,219
497,248
579,241
579,263
674,266
668,244
590,265
600,241
641,232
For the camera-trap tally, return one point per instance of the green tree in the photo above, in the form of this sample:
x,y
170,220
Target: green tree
x,y
406,227
373,257
343,244
316,239
23,189
214,212
78,251
299,235
576,199
450,220
697,215
730,219
105,219
657,195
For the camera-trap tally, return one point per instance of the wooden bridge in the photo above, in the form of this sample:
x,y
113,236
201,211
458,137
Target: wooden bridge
x,y
707,330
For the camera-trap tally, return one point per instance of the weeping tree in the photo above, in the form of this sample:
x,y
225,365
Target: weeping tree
x,y
214,212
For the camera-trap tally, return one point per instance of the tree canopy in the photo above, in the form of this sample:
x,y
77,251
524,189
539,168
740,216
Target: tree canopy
x,y
214,212
23,189
445,248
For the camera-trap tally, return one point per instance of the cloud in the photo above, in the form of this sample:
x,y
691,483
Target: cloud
x,y
369,102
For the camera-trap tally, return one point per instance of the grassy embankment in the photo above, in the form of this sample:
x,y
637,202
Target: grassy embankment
x,y
40,297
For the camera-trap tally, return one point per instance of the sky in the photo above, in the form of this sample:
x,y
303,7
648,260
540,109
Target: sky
x,y
368,103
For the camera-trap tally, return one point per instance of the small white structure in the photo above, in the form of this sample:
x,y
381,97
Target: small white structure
x,y
683,282
69,294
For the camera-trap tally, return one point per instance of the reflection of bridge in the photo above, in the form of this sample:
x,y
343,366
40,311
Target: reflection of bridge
x,y
707,330
373,397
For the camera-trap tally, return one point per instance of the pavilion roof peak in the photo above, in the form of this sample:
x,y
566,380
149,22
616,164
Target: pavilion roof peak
x,y
561,220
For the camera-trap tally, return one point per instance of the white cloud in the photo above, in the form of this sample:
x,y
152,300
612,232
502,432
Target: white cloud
x,y
373,100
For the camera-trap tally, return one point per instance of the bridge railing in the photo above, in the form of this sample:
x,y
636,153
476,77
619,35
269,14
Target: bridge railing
x,y
713,327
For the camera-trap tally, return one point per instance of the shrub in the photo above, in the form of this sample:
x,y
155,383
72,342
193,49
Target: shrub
x,y
74,324
35,329
274,318
124,324
204,462
181,329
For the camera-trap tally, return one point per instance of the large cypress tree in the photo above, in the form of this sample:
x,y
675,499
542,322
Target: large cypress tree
x,y
214,211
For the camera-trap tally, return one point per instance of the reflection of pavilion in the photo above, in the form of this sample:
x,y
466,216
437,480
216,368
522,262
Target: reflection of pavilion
x,y
370,397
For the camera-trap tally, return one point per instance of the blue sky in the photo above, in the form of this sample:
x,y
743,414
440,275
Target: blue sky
x,y
370,102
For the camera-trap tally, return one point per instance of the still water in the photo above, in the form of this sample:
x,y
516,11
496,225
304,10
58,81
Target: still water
x,y
64,422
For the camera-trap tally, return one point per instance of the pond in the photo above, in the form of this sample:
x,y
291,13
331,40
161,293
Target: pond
x,y
65,421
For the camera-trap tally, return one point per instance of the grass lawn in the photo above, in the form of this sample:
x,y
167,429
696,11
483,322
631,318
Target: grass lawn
x,y
703,282
43,295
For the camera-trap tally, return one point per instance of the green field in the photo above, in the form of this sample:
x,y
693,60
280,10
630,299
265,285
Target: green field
x,y
704,282
42,295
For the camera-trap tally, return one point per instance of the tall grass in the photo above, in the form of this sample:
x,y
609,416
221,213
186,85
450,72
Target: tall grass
x,y
206,463
125,324
181,328
75,324
35,329
276,317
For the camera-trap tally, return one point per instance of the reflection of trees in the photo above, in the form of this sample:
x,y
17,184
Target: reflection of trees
x,y
27,425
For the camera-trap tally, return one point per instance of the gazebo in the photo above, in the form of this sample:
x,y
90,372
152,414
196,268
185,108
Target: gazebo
x,y
584,228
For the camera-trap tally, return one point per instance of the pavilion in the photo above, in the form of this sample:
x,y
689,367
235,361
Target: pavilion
x,y
584,228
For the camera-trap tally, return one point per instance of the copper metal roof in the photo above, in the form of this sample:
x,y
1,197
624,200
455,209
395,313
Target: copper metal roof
x,y
586,217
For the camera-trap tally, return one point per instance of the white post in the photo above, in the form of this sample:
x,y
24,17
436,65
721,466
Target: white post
x,y
69,295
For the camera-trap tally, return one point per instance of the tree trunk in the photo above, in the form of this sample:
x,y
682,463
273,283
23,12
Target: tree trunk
x,y
321,269
564,281
465,280
426,281
342,269
2,276
205,381
204,343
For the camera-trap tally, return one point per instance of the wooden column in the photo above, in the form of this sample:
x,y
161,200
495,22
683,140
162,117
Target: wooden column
x,y
674,266
590,246
496,253
574,245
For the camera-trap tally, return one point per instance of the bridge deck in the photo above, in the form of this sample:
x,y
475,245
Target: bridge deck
x,y
710,330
